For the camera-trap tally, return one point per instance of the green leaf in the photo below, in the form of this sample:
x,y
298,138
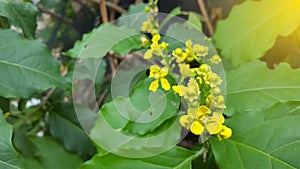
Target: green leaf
x,y
253,87
135,17
64,125
107,37
252,27
49,151
21,14
153,108
9,158
90,69
176,158
141,122
195,20
265,139
125,46
27,67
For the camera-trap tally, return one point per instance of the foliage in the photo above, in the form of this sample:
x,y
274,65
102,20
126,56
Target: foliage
x,y
9,158
253,38
45,124
274,146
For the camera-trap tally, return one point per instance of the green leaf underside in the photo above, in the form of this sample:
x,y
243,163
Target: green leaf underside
x,y
265,139
107,37
26,67
64,125
176,158
19,14
259,23
48,154
9,158
253,86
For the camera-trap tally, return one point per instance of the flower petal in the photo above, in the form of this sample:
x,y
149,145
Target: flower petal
x,y
165,84
154,85
196,128
185,121
148,54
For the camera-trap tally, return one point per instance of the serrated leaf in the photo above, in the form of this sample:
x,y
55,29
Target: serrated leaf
x,y
176,158
64,125
49,151
252,27
9,158
265,139
107,37
253,86
27,67
21,14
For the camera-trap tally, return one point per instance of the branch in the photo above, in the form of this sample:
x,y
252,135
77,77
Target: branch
x,y
55,15
49,93
103,11
206,18
116,7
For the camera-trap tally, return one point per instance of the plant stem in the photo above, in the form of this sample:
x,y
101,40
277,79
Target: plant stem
x,y
103,11
206,18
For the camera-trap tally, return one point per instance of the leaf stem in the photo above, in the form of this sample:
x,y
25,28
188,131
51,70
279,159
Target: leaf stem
x,y
49,93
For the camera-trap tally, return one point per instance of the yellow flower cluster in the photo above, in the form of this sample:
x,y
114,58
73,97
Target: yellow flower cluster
x,y
202,93
156,48
201,118
191,52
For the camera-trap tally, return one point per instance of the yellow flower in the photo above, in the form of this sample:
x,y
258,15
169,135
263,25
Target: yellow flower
x,y
147,9
177,90
190,56
190,122
190,92
159,75
155,38
184,70
157,48
205,68
177,52
225,133
148,54
216,91
215,59
188,44
6,114
181,56
147,26
215,79
200,50
164,45
214,123
198,119
197,128
144,41
217,102
203,111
